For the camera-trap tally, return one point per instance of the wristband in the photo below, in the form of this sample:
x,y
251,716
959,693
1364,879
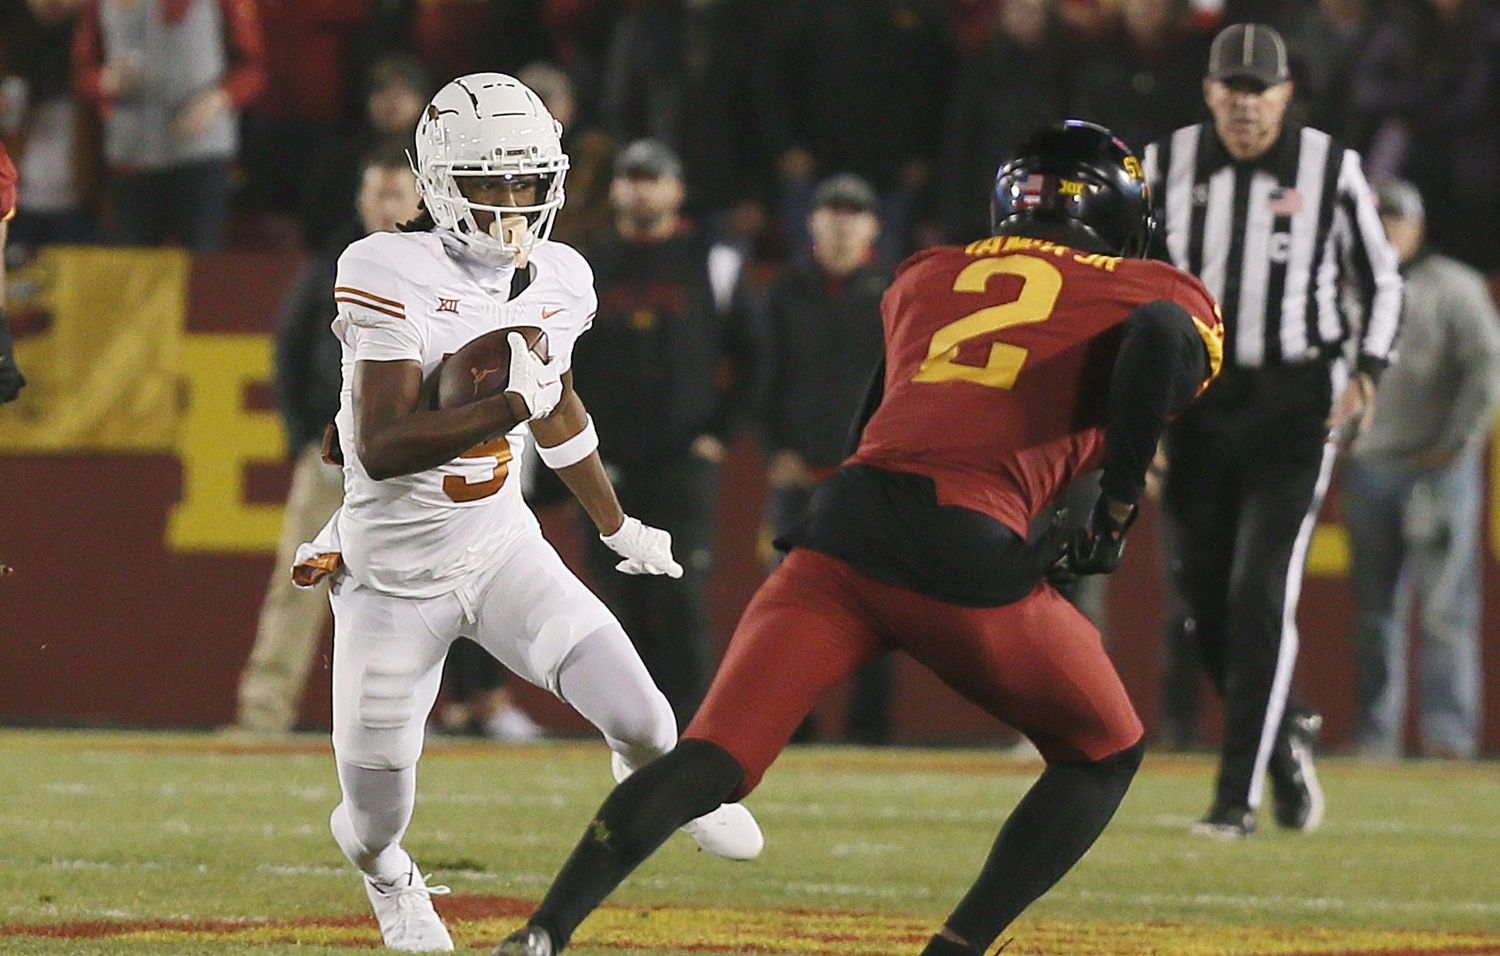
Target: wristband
x,y
572,451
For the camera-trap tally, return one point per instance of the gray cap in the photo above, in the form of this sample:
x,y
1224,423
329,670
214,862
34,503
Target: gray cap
x,y
845,191
1399,199
648,159
1249,51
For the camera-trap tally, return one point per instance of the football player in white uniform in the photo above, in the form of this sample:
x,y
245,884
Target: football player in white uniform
x,y
433,541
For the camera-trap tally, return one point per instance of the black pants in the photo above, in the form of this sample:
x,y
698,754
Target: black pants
x,y
666,619
1249,464
470,671
188,203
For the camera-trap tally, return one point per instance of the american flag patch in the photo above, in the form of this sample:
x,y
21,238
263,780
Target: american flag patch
x,y
1029,191
1285,202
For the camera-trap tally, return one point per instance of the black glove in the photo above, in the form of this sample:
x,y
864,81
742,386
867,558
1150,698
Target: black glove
x,y
1097,547
11,379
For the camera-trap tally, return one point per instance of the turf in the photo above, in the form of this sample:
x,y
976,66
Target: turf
x,y
154,843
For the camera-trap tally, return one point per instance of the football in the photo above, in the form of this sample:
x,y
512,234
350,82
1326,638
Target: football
x,y
480,368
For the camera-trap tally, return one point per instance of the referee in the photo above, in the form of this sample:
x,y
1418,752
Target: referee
x,y
1278,222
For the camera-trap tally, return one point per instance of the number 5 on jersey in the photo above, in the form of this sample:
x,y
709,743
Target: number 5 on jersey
x,y
459,490
1041,283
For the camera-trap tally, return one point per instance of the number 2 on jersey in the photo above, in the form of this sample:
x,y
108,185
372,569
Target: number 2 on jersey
x,y
1041,282
461,491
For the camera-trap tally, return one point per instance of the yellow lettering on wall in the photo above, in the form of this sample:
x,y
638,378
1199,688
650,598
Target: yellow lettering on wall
x,y
1328,555
218,437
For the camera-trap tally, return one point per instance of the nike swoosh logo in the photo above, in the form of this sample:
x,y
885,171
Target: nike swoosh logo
x,y
548,315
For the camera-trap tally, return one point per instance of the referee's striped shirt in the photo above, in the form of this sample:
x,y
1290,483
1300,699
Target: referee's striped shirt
x,y
1276,240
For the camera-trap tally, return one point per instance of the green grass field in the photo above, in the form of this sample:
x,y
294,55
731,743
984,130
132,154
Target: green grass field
x,y
156,843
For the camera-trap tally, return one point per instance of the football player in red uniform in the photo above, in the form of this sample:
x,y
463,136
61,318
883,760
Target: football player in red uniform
x,y
1011,365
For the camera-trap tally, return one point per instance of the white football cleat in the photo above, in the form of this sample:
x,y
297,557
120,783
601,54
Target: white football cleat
x,y
730,831
407,920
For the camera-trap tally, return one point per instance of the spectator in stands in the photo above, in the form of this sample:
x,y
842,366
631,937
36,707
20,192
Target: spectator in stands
x,y
1013,85
1143,77
972,22
1429,83
458,37
1326,41
856,87
39,110
681,73
590,155
11,379
826,340
396,89
169,79
311,91
476,700
308,379
1411,499
673,363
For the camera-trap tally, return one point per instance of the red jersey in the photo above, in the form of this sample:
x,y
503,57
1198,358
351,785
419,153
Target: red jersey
x,y
998,357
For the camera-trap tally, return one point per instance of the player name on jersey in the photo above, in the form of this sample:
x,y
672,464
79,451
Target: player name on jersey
x,y
999,244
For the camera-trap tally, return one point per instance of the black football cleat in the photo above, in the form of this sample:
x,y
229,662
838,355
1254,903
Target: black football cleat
x,y
1296,796
1226,822
531,941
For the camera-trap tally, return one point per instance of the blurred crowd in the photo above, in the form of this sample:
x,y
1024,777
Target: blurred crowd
x,y
744,175
240,122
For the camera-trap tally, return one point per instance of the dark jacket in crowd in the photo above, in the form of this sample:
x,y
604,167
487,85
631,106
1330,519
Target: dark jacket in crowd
x,y
664,363
1324,55
40,54
1430,88
1005,92
826,340
1141,94
308,356
681,73
857,84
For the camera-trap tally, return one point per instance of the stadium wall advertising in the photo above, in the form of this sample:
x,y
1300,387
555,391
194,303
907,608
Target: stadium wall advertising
x,y
142,473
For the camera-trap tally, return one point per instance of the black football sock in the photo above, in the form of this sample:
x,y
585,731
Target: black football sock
x,y
637,818
1051,829
942,946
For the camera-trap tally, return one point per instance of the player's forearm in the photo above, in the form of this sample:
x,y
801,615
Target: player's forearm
x,y
591,486
418,441
585,478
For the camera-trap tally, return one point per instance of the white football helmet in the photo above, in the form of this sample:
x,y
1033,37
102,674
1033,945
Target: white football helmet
x,y
490,124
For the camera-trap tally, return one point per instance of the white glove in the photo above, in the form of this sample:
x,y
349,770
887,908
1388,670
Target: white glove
x,y
536,383
646,550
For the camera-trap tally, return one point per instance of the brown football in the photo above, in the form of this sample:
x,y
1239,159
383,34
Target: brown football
x,y
480,368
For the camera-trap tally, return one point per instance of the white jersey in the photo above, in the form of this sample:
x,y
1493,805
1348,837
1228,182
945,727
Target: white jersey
x,y
404,296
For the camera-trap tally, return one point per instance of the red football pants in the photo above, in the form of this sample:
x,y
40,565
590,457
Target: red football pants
x,y
1037,665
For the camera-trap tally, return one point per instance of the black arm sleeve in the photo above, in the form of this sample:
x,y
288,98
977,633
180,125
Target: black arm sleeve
x,y
1161,364
874,392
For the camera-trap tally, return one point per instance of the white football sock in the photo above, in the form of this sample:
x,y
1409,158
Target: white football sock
x,y
605,681
369,824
